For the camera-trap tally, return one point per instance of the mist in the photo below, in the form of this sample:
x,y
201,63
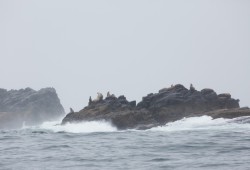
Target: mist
x,y
129,48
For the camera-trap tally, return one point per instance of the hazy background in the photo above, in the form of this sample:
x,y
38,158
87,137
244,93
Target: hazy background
x,y
130,47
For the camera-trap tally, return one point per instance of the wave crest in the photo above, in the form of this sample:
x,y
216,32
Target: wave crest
x,y
82,127
192,123
196,123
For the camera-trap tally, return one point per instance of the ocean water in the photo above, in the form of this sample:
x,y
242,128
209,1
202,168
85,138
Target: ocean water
x,y
190,143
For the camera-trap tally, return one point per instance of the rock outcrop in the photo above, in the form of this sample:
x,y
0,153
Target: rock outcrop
x,y
169,104
28,106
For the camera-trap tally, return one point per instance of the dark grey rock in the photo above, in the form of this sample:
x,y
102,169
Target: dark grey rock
x,y
28,106
169,104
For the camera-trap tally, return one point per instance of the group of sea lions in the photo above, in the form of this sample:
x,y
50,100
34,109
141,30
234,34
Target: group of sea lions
x,y
99,96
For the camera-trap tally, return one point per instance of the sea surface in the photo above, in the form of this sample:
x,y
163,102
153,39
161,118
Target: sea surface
x,y
187,144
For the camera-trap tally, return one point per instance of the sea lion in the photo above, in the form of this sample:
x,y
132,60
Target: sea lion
x,y
90,100
108,94
192,87
99,97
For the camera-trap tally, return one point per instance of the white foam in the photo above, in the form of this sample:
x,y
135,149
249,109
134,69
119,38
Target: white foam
x,y
193,123
83,127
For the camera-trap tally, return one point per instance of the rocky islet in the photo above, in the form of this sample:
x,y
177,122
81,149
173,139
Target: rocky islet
x,y
29,107
169,104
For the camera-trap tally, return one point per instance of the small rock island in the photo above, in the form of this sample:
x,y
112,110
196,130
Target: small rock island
x,y
29,107
168,105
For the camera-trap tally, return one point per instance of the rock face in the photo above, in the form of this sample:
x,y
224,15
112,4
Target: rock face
x,y
169,104
28,106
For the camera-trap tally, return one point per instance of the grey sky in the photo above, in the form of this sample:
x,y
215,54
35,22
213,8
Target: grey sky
x,y
130,47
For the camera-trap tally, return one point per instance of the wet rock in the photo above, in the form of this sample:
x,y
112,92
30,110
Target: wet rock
x,y
169,104
28,106
229,113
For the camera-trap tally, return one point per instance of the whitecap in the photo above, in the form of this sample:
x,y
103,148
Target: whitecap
x,y
82,127
200,123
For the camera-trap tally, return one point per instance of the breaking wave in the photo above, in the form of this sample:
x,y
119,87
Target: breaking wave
x,y
205,122
83,127
192,123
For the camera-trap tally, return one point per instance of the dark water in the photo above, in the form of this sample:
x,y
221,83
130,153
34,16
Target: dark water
x,y
194,143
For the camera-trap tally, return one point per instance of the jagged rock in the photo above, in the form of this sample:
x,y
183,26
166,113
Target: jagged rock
x,y
28,106
169,104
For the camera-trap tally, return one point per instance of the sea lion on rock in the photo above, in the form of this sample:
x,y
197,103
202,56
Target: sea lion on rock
x,y
108,94
99,97
71,110
226,95
90,100
158,109
192,89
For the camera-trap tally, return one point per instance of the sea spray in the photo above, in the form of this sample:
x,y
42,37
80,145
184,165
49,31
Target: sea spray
x,y
190,143
203,123
190,124
82,127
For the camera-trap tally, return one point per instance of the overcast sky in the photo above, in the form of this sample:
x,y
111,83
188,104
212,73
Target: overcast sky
x,y
130,47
